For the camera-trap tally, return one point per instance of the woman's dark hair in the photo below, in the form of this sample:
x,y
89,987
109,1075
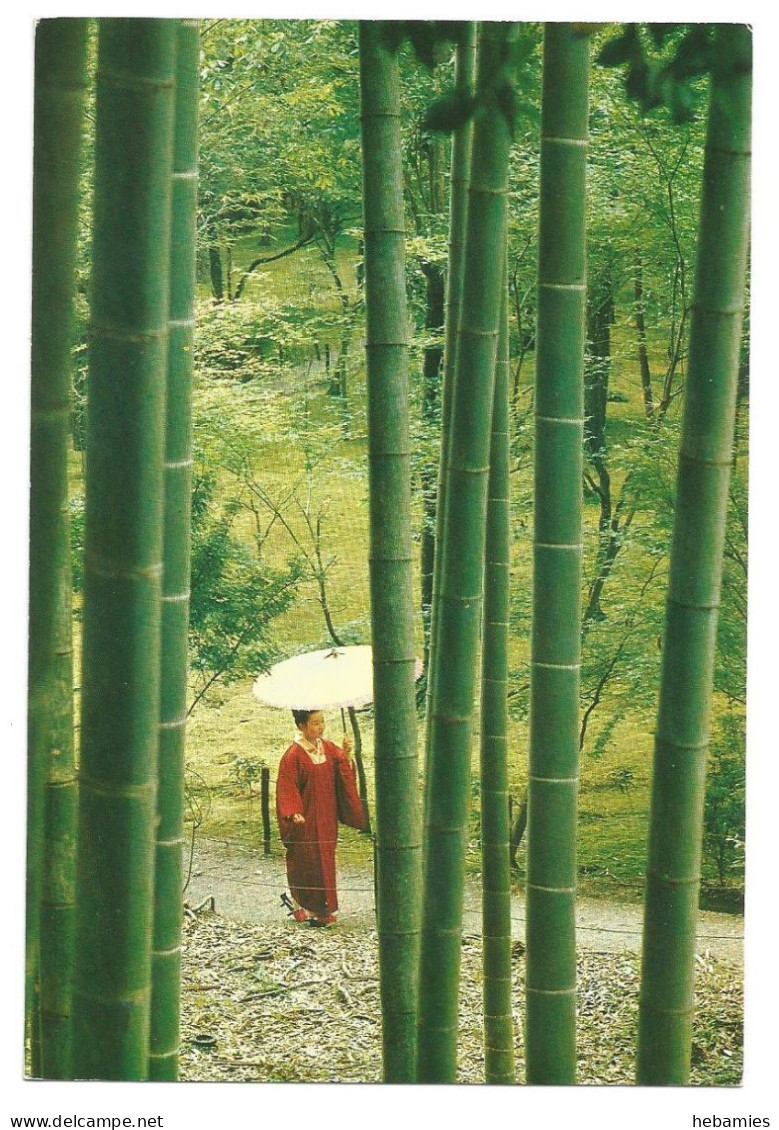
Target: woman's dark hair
x,y
302,716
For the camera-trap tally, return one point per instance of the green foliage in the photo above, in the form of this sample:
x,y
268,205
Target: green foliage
x,y
724,814
280,132
505,89
244,772
430,39
235,595
252,340
664,63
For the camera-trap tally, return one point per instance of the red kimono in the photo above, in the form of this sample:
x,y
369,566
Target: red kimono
x,y
324,794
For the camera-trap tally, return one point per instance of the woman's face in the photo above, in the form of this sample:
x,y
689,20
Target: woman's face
x,y
314,727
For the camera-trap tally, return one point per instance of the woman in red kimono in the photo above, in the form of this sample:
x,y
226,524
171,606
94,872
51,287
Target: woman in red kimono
x,y
315,788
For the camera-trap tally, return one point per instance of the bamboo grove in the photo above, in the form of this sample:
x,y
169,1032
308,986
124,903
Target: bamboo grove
x,y
105,817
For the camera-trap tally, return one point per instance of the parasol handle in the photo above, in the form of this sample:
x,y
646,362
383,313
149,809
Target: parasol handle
x,y
343,719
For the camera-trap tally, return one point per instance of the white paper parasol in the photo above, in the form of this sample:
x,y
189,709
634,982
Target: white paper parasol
x,y
331,679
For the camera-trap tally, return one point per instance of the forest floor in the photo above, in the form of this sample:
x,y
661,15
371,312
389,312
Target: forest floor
x,y
246,885
265,999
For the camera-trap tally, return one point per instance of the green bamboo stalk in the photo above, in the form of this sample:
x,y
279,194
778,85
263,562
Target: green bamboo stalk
x,y
168,883
398,855
462,139
495,825
454,657
555,644
682,737
123,547
60,56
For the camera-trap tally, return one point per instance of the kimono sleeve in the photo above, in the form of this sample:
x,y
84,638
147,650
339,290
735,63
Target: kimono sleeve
x,y
348,802
288,797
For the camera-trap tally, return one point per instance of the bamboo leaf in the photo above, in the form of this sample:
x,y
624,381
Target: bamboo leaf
x,y
449,112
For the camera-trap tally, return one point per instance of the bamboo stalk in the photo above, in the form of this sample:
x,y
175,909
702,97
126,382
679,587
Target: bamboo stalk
x,y
123,547
555,644
462,139
398,848
495,824
60,57
168,883
682,737
455,648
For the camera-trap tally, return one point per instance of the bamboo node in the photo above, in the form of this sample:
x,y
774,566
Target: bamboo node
x,y
368,115
486,190
551,992
472,332
369,345
169,951
460,470
552,890
691,457
689,607
719,311
175,842
576,142
145,791
137,998
670,881
174,723
576,420
122,333
175,597
723,151
691,747
574,545
449,932
115,573
129,80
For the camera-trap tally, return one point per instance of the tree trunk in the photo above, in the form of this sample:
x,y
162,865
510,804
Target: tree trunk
x,y
643,356
682,735
60,57
495,830
431,377
597,371
398,856
454,657
555,647
123,550
166,948
216,274
518,826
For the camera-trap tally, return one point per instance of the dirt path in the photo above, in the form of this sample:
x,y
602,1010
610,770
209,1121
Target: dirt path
x,y
246,885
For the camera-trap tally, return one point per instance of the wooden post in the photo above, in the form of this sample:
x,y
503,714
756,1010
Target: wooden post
x,y
265,800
